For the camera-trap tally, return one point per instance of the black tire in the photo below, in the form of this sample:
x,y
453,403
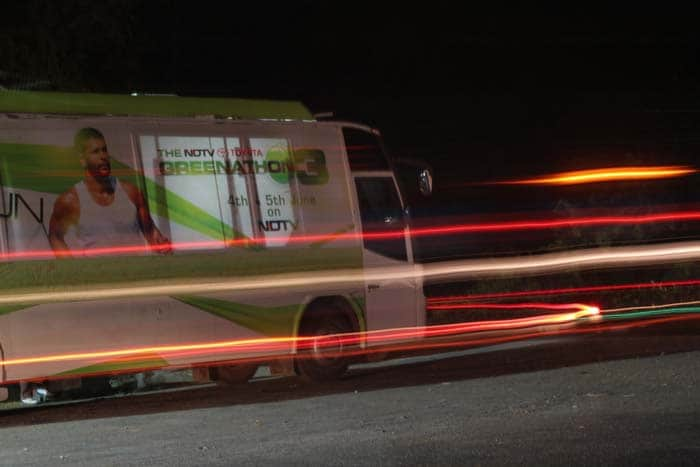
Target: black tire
x,y
233,374
322,358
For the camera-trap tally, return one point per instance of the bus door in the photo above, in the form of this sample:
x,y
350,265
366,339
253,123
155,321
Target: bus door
x,y
391,302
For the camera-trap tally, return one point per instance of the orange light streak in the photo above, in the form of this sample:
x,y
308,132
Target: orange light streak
x,y
284,343
162,350
606,175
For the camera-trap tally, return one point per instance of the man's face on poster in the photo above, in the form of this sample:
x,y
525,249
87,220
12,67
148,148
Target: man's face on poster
x,y
95,158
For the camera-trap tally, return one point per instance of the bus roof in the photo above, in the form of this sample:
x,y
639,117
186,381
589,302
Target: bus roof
x,y
149,105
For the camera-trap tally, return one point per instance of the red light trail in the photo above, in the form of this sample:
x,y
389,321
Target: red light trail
x,y
566,290
446,230
591,329
555,223
513,306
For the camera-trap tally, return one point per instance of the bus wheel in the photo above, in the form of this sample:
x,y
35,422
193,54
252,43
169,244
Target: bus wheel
x,y
233,374
322,358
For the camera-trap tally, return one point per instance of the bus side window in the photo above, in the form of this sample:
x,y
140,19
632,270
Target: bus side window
x,y
382,217
364,151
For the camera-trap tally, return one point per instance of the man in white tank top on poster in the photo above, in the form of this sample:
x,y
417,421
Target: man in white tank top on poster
x,y
110,216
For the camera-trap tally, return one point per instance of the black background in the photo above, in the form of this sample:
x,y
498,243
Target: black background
x,y
479,94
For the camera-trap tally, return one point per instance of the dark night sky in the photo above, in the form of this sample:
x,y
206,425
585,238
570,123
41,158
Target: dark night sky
x,y
488,92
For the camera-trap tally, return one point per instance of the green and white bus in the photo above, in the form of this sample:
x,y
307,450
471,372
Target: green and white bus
x,y
143,232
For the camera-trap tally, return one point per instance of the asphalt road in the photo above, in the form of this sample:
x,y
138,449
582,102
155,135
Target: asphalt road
x,y
627,398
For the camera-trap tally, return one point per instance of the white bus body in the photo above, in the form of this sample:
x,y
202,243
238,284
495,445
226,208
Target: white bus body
x,y
264,217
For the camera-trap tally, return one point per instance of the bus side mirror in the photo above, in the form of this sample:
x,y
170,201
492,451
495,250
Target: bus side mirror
x,y
425,182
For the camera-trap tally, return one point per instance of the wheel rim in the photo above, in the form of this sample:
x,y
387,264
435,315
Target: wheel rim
x,y
327,347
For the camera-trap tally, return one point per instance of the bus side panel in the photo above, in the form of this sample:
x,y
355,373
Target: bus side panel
x,y
49,312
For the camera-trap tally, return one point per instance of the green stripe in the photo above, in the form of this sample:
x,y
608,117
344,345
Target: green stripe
x,y
650,313
166,106
43,168
169,205
6,309
275,321
358,304
89,273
